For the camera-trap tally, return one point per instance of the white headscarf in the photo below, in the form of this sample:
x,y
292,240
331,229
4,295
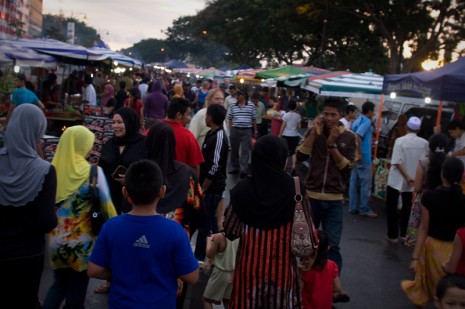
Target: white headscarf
x,y
22,170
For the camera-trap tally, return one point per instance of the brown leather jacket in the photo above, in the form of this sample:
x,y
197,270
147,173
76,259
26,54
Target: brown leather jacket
x,y
326,180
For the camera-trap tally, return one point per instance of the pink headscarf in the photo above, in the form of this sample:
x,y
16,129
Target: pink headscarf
x,y
109,92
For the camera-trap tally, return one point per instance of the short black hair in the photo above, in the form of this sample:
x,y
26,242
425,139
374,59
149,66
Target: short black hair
x,y
122,84
368,107
88,79
455,124
447,282
143,181
21,77
452,170
292,104
232,87
333,103
217,112
177,105
255,96
350,108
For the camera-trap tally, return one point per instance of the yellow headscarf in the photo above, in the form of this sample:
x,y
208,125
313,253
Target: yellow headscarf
x,y
70,160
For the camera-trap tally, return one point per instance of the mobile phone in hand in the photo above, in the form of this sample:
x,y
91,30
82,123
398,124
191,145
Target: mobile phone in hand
x,y
120,170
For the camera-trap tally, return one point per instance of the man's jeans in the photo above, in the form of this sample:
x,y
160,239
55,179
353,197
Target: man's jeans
x,y
329,214
211,202
240,139
360,188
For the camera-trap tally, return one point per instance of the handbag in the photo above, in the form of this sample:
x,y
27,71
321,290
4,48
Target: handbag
x,y
304,237
96,215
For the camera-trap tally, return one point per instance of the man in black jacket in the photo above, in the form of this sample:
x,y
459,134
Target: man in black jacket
x,y
212,174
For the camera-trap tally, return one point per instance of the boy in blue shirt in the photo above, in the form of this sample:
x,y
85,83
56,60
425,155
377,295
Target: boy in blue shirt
x,y
141,252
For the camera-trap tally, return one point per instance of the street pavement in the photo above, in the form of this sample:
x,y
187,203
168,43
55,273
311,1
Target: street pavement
x,y
371,274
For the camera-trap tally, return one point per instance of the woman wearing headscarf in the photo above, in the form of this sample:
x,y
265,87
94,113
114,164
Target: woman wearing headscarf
x,y
126,146
182,200
108,98
261,214
72,241
27,208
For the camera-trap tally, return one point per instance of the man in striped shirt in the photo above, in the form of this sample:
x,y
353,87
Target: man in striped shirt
x,y
241,117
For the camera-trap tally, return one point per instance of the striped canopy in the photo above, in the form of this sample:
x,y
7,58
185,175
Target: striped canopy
x,y
345,84
24,56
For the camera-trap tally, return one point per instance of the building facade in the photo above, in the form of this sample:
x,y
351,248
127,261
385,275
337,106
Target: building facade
x,y
20,18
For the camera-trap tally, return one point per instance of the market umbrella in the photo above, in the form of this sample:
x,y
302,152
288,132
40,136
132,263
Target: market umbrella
x,y
284,71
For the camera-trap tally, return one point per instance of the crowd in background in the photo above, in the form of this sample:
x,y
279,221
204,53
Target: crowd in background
x,y
174,146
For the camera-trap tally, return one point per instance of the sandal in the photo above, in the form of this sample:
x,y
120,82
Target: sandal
x,y
102,289
341,297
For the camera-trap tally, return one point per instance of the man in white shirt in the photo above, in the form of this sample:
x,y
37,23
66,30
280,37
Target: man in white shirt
x,y
89,96
350,116
231,98
408,150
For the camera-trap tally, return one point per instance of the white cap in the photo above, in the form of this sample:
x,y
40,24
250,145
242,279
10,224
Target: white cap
x,y
414,123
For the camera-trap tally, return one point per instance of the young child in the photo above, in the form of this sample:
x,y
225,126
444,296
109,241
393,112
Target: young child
x,y
456,262
222,252
450,292
142,252
320,279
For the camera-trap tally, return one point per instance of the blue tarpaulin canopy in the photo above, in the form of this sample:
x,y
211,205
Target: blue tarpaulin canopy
x,y
446,83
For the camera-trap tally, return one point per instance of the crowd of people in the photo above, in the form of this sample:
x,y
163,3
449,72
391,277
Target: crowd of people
x,y
162,179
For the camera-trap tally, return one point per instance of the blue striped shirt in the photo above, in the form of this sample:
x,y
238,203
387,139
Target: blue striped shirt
x,y
242,117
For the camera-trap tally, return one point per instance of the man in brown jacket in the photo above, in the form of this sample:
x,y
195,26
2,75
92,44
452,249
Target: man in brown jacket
x,y
331,149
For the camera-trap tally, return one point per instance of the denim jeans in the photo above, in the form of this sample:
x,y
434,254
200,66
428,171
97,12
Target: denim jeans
x,y
330,215
70,285
211,202
360,188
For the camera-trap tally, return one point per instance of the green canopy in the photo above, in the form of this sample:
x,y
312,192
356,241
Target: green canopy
x,y
284,71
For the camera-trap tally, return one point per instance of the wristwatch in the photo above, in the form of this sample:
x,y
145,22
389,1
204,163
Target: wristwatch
x,y
332,146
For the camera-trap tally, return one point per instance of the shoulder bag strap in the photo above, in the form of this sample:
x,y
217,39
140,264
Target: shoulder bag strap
x,y
298,195
93,188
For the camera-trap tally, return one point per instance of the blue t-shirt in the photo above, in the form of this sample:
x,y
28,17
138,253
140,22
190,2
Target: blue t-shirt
x,y
23,95
362,126
146,254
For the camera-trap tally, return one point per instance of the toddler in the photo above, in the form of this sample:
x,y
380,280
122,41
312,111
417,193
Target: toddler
x,y
450,292
321,285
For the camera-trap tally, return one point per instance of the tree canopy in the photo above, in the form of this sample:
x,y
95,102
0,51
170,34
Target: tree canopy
x,y
351,34
54,27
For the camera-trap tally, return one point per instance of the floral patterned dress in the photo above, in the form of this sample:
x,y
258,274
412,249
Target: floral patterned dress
x,y
72,241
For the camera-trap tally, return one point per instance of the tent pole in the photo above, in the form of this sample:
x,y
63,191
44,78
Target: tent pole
x,y
438,118
378,126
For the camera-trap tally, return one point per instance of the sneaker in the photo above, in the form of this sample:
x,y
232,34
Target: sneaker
x,y
370,214
392,240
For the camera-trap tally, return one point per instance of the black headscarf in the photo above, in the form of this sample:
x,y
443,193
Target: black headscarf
x,y
132,124
161,148
266,200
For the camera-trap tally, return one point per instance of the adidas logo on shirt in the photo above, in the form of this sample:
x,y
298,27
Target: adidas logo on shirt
x,y
142,242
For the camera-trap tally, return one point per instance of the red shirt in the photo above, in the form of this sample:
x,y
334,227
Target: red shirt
x,y
317,292
139,105
461,264
187,147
